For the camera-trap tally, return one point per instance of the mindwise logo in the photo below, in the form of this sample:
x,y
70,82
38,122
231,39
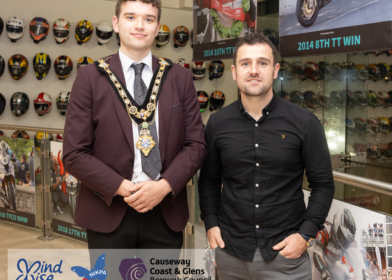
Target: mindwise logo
x,y
98,272
132,269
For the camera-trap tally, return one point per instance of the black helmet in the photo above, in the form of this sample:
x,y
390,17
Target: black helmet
x,y
39,29
83,31
18,66
20,134
1,25
19,103
181,36
41,64
2,104
217,99
202,96
273,36
2,66
216,69
63,66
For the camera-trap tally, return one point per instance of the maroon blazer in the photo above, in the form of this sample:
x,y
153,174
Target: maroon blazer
x,y
99,149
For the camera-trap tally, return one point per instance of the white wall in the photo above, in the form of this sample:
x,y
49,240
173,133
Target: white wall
x,y
75,11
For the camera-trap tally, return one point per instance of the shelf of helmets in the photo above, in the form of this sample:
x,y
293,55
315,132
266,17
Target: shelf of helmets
x,y
53,86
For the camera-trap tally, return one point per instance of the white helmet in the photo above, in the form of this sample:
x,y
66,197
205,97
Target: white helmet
x,y
61,30
62,102
183,62
15,28
104,32
199,70
344,228
42,104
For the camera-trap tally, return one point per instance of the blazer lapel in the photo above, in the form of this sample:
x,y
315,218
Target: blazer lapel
x,y
164,108
125,121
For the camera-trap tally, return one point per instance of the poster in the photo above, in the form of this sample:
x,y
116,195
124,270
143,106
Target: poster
x,y
218,24
351,246
318,27
65,189
17,191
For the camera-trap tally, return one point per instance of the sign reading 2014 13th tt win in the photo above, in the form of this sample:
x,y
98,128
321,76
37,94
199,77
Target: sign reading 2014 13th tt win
x,y
316,27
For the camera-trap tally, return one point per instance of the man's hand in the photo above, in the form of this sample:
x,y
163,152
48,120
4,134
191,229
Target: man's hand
x,y
125,188
215,238
294,246
148,194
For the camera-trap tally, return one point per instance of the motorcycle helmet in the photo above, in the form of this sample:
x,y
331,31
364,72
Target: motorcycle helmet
x,y
350,126
63,67
374,72
347,65
361,98
19,103
42,104
38,139
216,69
361,72
202,96
351,101
359,147
384,98
384,71
2,134
337,72
273,36
388,52
372,151
59,138
118,39
2,66
61,29
183,62
217,99
83,31
163,37
20,134
39,29
104,32
297,97
311,100
299,70
385,150
41,65
377,53
372,98
18,66
312,71
325,100
324,69
1,26
181,36
383,125
284,94
15,28
360,125
372,126
84,60
286,71
344,228
62,101
198,70
337,98
3,102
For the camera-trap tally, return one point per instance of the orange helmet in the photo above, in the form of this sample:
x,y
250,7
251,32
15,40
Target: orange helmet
x,y
181,36
39,29
21,134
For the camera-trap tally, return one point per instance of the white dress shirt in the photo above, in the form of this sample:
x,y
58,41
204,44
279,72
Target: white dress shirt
x,y
147,74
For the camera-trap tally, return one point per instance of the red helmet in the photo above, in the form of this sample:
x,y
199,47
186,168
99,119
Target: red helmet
x,y
42,104
59,138
312,71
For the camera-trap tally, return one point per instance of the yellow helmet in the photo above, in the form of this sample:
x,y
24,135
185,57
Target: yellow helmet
x,y
383,124
83,31
163,36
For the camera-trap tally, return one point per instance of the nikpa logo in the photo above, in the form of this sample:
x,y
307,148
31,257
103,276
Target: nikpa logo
x,y
132,269
37,270
97,273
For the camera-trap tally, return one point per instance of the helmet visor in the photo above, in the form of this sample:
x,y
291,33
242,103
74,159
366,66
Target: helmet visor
x,y
40,68
19,106
83,32
63,69
16,71
15,29
162,38
104,35
61,33
62,106
199,72
38,29
41,107
182,38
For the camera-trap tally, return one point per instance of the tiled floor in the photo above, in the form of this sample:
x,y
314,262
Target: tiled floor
x,y
18,237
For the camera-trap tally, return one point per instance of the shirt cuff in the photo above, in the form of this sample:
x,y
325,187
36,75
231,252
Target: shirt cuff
x,y
211,221
309,229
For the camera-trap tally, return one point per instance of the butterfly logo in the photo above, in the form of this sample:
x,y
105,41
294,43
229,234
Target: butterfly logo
x,y
97,273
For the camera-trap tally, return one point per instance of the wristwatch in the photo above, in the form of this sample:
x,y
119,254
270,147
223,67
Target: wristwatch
x,y
309,240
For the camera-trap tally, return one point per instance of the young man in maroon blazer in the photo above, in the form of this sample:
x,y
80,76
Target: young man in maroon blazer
x,y
133,146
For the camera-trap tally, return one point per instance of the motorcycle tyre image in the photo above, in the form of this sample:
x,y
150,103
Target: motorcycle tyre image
x,y
11,197
301,20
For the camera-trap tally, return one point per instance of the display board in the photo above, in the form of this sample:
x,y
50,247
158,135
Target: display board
x,y
218,24
314,27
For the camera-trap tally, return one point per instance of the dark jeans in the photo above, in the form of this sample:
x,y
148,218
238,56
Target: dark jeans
x,y
58,196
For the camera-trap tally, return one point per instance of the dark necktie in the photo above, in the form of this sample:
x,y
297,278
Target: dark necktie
x,y
151,164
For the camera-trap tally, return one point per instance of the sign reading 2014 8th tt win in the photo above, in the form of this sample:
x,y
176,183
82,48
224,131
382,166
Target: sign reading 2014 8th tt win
x,y
316,27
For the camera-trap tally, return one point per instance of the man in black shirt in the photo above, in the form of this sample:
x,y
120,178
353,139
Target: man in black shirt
x,y
59,199
258,149
22,169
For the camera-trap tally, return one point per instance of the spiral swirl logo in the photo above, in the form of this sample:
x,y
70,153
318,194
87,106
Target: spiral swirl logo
x,y
132,269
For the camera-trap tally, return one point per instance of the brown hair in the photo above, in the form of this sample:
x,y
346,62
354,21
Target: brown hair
x,y
155,3
253,38
24,157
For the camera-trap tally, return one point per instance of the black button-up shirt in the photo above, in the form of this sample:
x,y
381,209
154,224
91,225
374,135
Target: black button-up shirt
x,y
261,166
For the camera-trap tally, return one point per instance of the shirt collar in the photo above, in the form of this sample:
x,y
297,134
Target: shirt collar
x,y
126,62
267,109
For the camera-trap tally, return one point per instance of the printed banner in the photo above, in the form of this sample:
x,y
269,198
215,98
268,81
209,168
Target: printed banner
x,y
218,24
319,27
17,191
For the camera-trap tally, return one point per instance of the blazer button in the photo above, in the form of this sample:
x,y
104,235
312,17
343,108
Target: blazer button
x,y
131,162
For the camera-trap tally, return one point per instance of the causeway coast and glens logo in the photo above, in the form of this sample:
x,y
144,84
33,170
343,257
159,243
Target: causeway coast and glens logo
x,y
98,272
38,270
